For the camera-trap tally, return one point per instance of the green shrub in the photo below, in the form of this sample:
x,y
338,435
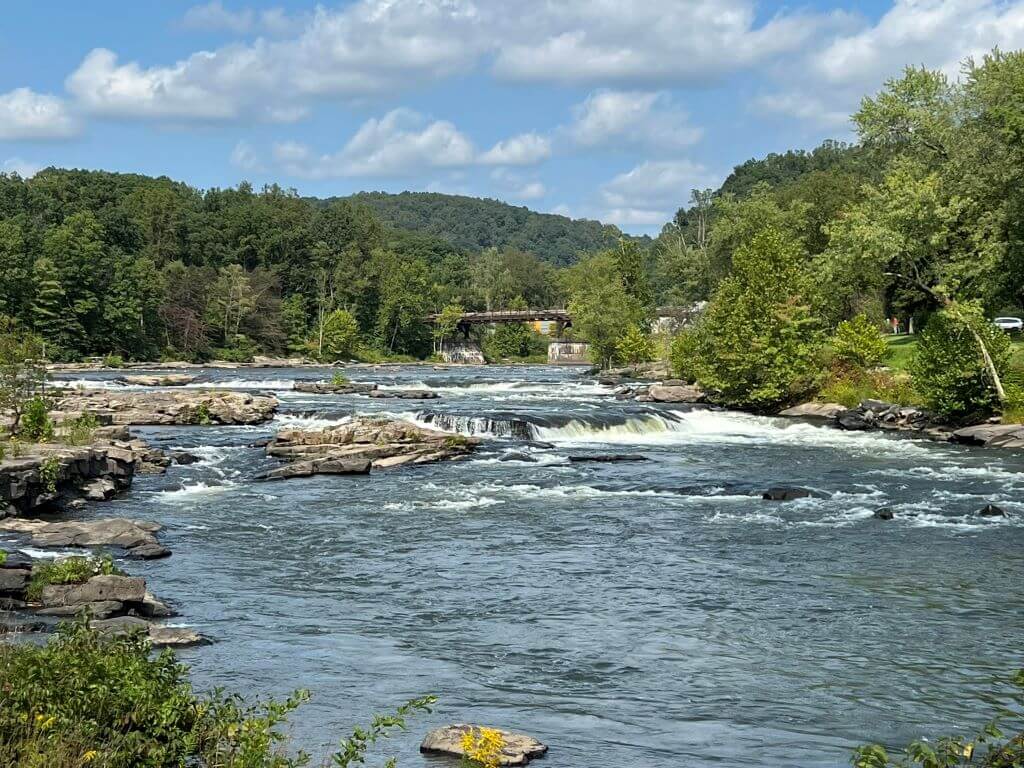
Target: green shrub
x,y
338,339
635,346
3,557
79,431
201,415
989,748
949,370
339,379
88,701
681,356
852,387
858,343
49,473
36,424
113,361
70,570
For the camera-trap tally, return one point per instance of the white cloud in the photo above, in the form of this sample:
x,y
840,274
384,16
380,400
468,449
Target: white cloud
x,y
376,47
245,157
632,117
825,83
517,186
25,114
524,149
23,168
649,194
533,190
403,142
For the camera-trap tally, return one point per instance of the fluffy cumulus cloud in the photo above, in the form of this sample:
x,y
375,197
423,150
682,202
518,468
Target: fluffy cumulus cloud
x,y
648,194
636,118
25,114
401,143
825,83
23,168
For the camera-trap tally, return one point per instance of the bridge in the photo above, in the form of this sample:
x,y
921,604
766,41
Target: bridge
x,y
468,319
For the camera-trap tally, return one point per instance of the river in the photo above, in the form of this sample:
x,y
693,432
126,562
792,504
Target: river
x,y
638,614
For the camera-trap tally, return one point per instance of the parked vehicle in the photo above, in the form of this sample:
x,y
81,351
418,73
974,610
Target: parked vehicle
x,y
1009,323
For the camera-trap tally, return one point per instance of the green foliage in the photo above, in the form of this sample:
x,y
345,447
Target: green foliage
x,y
113,361
949,369
473,223
510,341
859,343
339,379
3,557
601,307
79,431
988,748
339,337
201,415
22,370
36,424
852,386
635,346
682,355
70,570
354,748
757,343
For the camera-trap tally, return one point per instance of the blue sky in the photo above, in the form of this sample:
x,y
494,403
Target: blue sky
x,y
604,109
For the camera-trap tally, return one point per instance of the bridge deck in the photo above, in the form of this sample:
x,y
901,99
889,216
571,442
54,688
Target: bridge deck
x,y
510,316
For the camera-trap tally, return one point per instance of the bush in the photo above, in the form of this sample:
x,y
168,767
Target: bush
x,y
858,343
989,748
949,370
852,387
70,570
339,379
340,336
635,346
108,702
79,431
113,361
681,356
36,424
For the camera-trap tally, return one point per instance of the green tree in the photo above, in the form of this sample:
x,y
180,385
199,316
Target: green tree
x,y
340,336
859,343
446,324
635,346
601,308
22,370
296,321
16,268
757,343
232,300
48,307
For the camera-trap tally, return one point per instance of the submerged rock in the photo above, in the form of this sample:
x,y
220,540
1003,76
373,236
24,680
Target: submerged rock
x,y
184,458
885,513
787,493
608,458
358,445
330,388
518,748
991,510
403,394
159,636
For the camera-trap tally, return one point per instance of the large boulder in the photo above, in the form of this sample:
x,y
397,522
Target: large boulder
x,y
814,411
991,435
675,393
98,589
320,467
13,581
518,748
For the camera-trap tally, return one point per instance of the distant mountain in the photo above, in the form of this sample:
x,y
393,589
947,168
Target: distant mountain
x,y
474,223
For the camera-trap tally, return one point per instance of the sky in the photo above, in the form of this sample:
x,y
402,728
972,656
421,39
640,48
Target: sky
x,y
602,109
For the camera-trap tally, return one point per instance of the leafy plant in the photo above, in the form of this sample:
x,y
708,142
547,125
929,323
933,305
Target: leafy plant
x,y
858,343
989,744
949,368
70,570
339,379
635,346
79,431
852,387
482,747
22,370
113,361
353,749
3,557
36,424
201,415
49,473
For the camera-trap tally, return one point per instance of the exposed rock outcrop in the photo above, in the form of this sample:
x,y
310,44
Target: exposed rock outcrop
x,y
358,445
403,394
517,749
991,435
675,391
51,475
168,408
331,388
136,537
814,411
875,414
790,493
160,380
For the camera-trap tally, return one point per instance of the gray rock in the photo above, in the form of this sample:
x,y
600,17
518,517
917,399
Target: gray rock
x,y
856,419
608,458
162,380
662,393
152,608
519,749
184,458
991,510
814,411
100,489
149,552
13,580
403,394
176,637
787,493
102,532
102,609
123,589
885,513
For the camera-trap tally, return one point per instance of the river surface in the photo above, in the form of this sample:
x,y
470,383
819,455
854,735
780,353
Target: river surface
x,y
642,614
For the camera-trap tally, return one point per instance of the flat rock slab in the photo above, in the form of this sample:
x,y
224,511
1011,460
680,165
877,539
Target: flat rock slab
x,y
329,388
519,749
814,411
121,532
98,589
165,380
192,407
160,636
993,435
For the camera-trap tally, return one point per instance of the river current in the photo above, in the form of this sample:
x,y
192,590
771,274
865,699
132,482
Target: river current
x,y
656,613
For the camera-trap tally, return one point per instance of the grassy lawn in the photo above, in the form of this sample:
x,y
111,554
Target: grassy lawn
x,y
901,350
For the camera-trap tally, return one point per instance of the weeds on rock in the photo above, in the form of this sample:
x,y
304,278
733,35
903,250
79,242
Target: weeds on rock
x,y
70,570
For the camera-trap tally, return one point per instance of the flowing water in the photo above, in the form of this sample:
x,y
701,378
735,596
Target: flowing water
x,y
638,614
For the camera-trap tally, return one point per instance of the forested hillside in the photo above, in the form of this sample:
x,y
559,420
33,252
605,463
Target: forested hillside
x,y
475,223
